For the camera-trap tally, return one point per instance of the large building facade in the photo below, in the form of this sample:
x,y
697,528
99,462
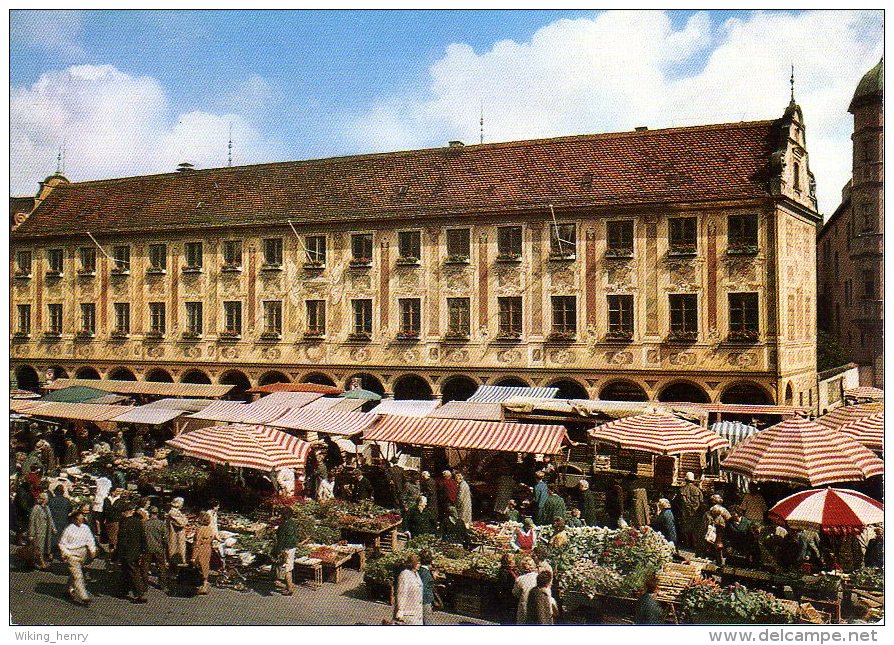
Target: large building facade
x,y
850,255
664,265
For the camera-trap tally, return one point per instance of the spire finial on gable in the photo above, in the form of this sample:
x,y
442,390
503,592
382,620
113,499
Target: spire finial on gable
x,y
792,82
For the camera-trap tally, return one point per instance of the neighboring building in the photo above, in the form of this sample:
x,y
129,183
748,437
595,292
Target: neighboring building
x,y
851,245
670,264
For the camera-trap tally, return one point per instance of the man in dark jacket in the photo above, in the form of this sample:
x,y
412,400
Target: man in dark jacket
x,y
111,513
553,507
429,487
587,503
132,546
540,601
60,509
156,547
363,489
615,499
648,610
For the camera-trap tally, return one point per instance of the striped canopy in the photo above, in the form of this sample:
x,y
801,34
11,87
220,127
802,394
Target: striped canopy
x,y
499,393
833,510
469,435
803,453
285,400
871,393
735,432
235,412
848,413
868,431
341,404
256,447
658,433
74,394
405,408
295,387
79,411
466,410
326,421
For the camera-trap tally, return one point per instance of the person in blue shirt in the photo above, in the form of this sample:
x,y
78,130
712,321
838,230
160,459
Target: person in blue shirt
x,y
665,523
541,492
428,587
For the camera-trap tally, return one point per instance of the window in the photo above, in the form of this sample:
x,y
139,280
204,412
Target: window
x,y
23,328
682,234
409,246
54,262
316,317
564,317
157,319
273,252
194,320
458,244
122,319
232,318
361,249
869,284
684,316
620,238
867,219
458,318
88,319
510,317
620,317
410,317
193,254
273,318
315,250
562,241
743,316
23,263
509,243
362,318
742,234
87,255
54,319
792,320
158,258
796,172
232,254
121,259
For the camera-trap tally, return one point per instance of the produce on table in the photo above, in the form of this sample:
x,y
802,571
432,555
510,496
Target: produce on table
x,y
869,578
706,602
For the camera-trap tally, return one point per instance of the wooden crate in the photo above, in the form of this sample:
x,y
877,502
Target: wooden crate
x,y
378,592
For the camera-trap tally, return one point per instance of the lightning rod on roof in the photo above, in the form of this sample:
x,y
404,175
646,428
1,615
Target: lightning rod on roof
x,y
481,123
230,147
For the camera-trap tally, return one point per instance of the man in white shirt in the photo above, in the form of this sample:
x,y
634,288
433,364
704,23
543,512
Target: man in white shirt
x,y
76,545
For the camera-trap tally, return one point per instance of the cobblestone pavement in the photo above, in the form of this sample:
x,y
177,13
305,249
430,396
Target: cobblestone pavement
x,y
41,598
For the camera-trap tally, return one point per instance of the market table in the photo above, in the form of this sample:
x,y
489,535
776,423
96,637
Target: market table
x,y
373,538
311,570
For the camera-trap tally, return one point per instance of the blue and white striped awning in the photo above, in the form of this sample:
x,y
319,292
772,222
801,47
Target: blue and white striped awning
x,y
733,431
499,393
405,408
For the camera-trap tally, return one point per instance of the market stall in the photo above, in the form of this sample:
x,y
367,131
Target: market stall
x,y
500,393
405,408
469,411
864,394
149,389
326,390
868,431
849,413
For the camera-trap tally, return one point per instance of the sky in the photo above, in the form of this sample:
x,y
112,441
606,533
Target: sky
x,y
137,92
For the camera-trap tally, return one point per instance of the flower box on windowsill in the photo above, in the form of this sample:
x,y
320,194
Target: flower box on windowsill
x,y
408,261
457,259
52,335
271,336
191,335
507,337
408,336
619,252
231,268
54,274
274,267
619,336
119,272
85,335
361,337
154,335
86,273
742,249
22,275
314,266
682,250
314,334
229,336
456,336
682,337
360,263
562,337
156,271
22,335
743,336
192,270
119,335
509,257
562,257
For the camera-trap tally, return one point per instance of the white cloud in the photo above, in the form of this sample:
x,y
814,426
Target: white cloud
x,y
623,69
115,125
55,31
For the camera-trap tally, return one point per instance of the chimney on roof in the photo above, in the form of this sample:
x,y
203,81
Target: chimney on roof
x,y
641,128
185,167
456,144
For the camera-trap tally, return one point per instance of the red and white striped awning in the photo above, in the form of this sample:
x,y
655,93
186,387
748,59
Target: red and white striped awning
x,y
833,510
470,411
741,408
257,447
326,421
868,431
661,434
469,435
871,393
235,412
341,404
804,453
848,414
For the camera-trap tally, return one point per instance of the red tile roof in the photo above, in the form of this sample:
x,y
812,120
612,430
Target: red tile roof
x,y
704,163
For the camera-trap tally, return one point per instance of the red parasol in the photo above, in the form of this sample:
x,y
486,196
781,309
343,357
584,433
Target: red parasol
x,y
833,510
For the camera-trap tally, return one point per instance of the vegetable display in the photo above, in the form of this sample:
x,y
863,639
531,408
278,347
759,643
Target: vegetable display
x,y
706,602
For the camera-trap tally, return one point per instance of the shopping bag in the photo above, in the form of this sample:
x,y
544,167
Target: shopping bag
x,y
711,534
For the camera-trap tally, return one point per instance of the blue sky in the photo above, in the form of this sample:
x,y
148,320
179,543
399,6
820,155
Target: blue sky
x,y
136,91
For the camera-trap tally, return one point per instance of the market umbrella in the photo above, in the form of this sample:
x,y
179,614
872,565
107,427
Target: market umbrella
x,y
75,394
733,431
849,413
868,431
658,433
868,393
362,394
243,446
832,510
295,387
802,453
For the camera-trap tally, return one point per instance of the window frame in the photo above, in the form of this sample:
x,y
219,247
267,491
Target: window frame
x,y
459,318
315,317
55,262
121,310
273,250
23,315
158,258
567,250
410,318
232,319
195,319
315,251
88,320
415,236
55,319
24,270
190,249
120,259
273,313
743,316
361,260
231,261
563,323
507,236
621,316
460,255
686,325
361,318
680,239
620,238
87,268
742,234
158,320
510,317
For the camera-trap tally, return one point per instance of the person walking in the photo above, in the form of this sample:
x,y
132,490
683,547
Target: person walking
x,y
418,519
429,487
524,583
428,587
363,489
132,546
60,509
72,455
77,545
692,499
175,533
156,547
640,513
587,503
103,487
453,529
541,609
203,544
448,492
41,532
411,491
408,599
284,548
111,512
541,492
464,500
